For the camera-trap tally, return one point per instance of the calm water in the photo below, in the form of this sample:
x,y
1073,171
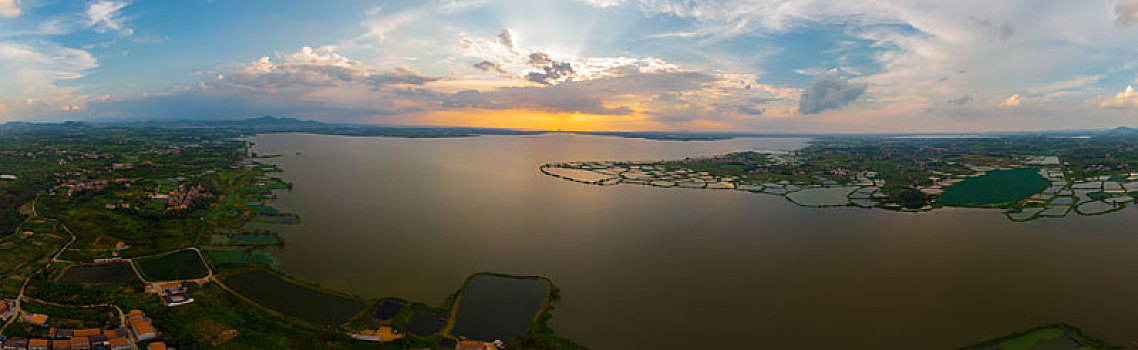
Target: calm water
x,y
642,267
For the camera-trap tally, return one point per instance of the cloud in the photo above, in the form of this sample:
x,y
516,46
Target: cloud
x,y
320,67
9,8
312,82
550,72
1004,31
828,91
1127,12
37,72
1075,83
585,97
1011,102
106,15
506,38
1125,99
960,101
604,3
488,66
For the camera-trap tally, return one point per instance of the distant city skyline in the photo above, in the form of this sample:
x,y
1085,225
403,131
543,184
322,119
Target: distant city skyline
x,y
621,65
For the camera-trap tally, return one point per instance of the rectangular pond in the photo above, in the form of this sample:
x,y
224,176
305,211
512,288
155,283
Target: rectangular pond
x,y
114,273
496,307
294,300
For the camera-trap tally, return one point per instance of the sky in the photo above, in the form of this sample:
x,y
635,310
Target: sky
x,y
784,66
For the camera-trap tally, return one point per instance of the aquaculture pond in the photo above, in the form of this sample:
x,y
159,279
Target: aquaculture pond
x,y
239,257
822,197
496,307
425,322
996,188
182,265
114,273
294,300
387,310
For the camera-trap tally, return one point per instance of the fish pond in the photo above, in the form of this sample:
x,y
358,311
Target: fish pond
x,y
181,265
294,300
426,322
114,273
996,188
495,307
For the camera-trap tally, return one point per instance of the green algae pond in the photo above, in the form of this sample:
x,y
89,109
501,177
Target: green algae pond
x,y
493,307
181,265
239,257
113,273
273,292
995,189
1050,337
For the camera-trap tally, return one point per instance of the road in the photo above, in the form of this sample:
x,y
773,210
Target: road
x,y
54,258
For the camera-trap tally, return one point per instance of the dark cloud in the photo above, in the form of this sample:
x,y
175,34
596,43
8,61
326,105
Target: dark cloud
x,y
490,67
506,38
828,91
585,97
752,110
1004,31
288,76
538,59
1127,12
960,101
551,71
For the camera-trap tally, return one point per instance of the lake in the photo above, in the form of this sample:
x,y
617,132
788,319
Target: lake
x,y
643,267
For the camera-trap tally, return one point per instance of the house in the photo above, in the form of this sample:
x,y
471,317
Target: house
x,y
142,330
15,344
38,319
156,346
88,332
475,345
37,344
120,343
61,344
171,293
140,326
80,343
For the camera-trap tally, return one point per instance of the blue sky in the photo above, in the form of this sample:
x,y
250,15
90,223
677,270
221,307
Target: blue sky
x,y
745,65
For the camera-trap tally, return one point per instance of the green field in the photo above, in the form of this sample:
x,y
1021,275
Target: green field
x,y
181,265
998,188
294,300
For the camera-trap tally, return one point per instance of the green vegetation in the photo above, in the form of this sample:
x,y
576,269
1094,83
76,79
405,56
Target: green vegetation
x,y
997,188
181,265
